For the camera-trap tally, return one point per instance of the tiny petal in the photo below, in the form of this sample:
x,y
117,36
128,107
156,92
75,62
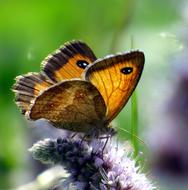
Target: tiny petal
x,y
98,162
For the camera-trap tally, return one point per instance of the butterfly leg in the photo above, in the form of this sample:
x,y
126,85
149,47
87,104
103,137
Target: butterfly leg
x,y
84,138
110,133
73,135
107,138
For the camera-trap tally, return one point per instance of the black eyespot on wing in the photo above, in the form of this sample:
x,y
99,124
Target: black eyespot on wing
x,y
82,64
56,65
126,70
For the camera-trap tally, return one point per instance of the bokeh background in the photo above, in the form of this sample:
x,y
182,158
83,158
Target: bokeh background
x,y
29,31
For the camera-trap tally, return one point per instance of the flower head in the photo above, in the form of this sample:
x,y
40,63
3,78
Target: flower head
x,y
91,167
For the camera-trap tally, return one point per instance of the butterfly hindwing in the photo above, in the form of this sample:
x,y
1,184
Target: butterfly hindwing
x,y
74,105
28,87
116,78
68,62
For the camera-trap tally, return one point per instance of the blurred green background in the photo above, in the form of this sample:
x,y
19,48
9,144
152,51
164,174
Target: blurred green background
x,y
29,31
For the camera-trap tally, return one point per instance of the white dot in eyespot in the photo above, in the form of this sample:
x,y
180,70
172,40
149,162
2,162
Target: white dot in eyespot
x,y
126,70
82,64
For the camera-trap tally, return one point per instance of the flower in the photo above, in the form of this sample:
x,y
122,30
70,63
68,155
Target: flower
x,y
91,166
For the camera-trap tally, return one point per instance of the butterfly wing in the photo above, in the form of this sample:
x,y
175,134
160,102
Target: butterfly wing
x,y
28,87
68,62
116,78
74,105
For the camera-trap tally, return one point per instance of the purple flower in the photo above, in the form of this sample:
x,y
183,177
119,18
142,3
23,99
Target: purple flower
x,y
90,167
170,153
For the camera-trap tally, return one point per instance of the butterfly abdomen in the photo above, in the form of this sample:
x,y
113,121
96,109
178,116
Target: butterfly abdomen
x,y
28,87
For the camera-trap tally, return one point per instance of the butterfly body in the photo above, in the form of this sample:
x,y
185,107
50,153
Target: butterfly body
x,y
76,91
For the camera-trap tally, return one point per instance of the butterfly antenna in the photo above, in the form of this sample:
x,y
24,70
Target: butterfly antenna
x,y
138,138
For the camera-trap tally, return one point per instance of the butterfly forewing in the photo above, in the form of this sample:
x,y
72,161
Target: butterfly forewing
x,y
116,77
74,105
68,62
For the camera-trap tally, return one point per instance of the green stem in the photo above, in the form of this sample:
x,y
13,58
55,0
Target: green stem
x,y
124,23
134,122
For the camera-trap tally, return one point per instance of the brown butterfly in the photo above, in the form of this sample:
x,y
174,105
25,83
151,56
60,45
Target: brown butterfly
x,y
78,92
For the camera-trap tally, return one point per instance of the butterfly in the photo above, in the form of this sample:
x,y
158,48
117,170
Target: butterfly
x,y
76,91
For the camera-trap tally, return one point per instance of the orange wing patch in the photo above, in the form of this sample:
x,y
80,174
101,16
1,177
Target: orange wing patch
x,y
68,62
116,78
